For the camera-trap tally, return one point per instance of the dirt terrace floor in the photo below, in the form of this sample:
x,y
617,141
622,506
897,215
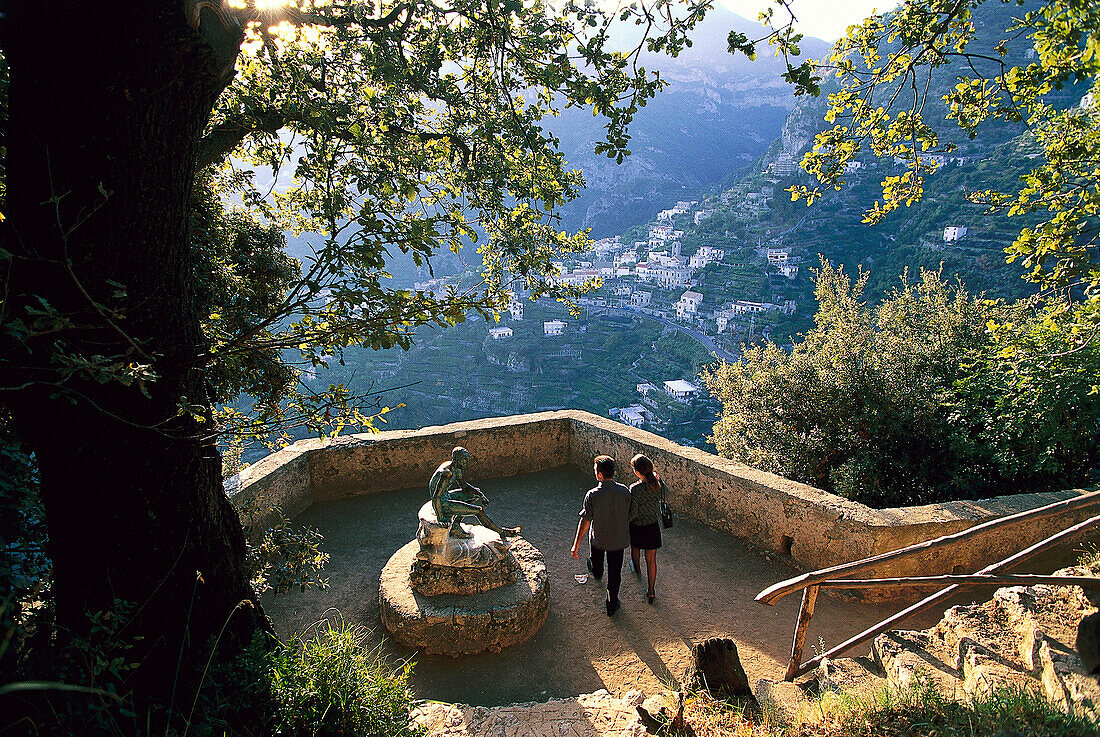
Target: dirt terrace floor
x,y
705,587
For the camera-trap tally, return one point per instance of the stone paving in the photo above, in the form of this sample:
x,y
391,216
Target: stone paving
x,y
597,714
705,588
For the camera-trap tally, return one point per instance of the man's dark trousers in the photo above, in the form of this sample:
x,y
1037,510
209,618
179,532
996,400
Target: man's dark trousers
x,y
614,570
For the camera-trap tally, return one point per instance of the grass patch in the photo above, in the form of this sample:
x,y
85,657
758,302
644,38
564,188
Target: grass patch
x,y
918,712
924,713
333,684
325,683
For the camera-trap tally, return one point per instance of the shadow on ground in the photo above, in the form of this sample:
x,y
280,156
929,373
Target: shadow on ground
x,y
705,587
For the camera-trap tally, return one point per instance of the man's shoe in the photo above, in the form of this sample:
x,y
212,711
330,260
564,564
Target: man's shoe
x,y
595,575
612,607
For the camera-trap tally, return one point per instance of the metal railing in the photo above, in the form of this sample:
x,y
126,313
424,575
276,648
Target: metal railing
x,y
810,583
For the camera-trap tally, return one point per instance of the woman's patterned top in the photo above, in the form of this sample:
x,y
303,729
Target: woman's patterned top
x,y
643,503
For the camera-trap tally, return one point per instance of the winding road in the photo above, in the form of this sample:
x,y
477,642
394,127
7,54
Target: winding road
x,y
706,341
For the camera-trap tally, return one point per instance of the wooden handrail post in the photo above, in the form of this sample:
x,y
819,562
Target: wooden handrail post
x,y
809,599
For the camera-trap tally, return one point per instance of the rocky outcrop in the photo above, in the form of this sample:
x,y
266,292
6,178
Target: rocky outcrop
x,y
1022,638
596,714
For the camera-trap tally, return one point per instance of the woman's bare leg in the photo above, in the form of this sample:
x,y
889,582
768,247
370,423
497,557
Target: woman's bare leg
x,y
651,567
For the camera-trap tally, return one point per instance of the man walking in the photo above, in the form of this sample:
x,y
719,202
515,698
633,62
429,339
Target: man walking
x,y
606,512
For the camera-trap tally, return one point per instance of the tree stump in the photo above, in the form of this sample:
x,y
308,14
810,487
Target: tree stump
x,y
717,668
1088,643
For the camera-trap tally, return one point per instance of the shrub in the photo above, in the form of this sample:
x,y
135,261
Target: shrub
x,y
325,684
931,395
333,684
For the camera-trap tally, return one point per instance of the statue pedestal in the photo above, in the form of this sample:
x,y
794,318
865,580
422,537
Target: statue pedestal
x,y
452,622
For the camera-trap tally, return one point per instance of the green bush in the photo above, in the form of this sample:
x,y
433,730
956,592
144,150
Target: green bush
x,y
931,395
333,684
322,684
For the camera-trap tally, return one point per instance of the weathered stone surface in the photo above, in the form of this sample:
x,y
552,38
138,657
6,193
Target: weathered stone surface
x,y
716,666
436,580
903,655
850,675
597,714
1087,643
483,549
1066,684
451,624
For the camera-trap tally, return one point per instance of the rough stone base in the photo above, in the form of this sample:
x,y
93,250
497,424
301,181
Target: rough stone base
x,y
433,580
451,624
597,714
481,549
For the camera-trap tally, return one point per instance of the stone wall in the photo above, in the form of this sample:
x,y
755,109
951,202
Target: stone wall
x,y
816,529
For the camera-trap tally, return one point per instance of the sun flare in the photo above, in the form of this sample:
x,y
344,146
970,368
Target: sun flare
x,y
269,5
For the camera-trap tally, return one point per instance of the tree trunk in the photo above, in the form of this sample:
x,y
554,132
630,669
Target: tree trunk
x,y
107,102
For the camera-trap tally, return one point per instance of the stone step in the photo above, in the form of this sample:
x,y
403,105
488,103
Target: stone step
x,y
1066,683
856,676
982,670
907,659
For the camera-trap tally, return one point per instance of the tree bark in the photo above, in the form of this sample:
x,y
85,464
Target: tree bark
x,y
108,101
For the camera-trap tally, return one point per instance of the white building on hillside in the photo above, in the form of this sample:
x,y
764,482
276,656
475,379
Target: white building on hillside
x,y
706,255
954,233
688,304
500,333
674,276
577,277
515,307
641,299
746,307
553,327
778,257
680,390
634,415
660,232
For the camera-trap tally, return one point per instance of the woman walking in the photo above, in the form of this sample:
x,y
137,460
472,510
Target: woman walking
x,y
645,526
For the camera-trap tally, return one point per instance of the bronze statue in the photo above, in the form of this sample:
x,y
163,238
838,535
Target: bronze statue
x,y
453,499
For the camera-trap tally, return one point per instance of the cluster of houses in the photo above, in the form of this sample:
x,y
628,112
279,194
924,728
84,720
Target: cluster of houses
x,y
666,268
550,327
640,413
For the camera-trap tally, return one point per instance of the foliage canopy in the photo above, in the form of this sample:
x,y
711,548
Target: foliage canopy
x,y
417,130
933,394
885,68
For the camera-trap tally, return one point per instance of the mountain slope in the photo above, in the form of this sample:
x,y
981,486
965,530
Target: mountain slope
x,y
718,114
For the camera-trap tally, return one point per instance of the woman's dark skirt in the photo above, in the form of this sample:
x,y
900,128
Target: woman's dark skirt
x,y
646,537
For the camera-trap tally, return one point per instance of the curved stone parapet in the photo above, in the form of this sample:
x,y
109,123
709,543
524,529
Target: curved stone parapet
x,y
452,624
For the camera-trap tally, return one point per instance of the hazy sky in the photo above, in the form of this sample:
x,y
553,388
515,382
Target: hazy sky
x,y
824,19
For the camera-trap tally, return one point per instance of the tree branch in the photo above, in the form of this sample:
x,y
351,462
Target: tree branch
x,y
228,134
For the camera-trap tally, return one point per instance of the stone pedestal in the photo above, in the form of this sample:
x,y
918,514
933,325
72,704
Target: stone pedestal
x,y
423,604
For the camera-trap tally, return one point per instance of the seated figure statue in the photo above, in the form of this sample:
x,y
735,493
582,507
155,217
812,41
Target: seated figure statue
x,y
453,499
